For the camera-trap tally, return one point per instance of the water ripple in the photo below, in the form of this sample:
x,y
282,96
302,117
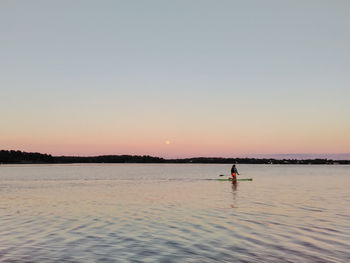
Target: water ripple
x,y
168,218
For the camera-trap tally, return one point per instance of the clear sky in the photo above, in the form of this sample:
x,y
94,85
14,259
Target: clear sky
x,y
175,78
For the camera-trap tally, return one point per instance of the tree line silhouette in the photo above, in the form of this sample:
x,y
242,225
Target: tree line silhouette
x,y
19,157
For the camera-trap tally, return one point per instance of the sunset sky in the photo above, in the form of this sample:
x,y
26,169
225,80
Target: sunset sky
x,y
175,78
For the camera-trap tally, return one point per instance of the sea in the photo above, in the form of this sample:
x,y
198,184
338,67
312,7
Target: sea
x,y
174,213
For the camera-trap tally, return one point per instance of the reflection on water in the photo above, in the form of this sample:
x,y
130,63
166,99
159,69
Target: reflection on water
x,y
172,213
234,192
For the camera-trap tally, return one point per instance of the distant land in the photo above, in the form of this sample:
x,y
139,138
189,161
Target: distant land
x,y
301,156
19,157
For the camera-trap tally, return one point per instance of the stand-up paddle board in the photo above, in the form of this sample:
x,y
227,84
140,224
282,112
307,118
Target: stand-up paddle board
x,y
242,179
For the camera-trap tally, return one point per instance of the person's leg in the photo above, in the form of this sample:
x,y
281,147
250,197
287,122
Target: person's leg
x,y
234,177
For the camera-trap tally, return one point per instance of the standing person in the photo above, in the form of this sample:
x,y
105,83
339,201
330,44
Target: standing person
x,y
234,172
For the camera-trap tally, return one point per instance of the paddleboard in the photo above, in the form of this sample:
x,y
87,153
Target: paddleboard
x,y
242,179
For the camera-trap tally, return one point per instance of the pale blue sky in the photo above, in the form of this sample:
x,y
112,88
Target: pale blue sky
x,y
213,77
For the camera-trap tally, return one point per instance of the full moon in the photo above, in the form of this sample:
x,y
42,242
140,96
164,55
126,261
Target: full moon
x,y
167,142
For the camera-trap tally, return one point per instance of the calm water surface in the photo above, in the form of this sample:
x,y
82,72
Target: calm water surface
x,y
173,213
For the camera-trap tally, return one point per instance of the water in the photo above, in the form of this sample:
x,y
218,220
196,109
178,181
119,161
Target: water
x,y
172,213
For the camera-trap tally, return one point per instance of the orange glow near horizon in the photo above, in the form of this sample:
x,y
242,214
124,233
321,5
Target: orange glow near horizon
x,y
177,147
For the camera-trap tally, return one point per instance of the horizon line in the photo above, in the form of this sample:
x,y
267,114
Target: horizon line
x,y
235,156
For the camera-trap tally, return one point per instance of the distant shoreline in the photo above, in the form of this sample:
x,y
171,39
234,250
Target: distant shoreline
x,y
19,157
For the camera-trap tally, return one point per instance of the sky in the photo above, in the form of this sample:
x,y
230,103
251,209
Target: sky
x,y
175,78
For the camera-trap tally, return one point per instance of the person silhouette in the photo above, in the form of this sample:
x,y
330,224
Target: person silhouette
x,y
234,172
